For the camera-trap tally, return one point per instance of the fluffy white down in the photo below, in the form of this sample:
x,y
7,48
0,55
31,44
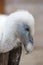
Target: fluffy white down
x,y
8,27
23,16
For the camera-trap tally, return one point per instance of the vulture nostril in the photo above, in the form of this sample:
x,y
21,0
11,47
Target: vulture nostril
x,y
31,40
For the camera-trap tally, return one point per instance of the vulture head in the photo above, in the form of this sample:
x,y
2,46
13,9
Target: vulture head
x,y
24,28
18,27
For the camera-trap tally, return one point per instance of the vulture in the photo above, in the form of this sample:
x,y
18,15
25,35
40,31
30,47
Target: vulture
x,y
16,29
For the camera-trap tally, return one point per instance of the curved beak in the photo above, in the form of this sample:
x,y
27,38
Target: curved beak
x,y
29,46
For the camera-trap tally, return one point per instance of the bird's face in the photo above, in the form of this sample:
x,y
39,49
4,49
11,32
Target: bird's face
x,y
26,37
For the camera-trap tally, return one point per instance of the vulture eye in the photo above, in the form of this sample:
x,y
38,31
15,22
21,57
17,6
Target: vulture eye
x,y
27,29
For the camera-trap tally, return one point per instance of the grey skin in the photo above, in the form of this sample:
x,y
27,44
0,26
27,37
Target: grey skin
x,y
24,34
